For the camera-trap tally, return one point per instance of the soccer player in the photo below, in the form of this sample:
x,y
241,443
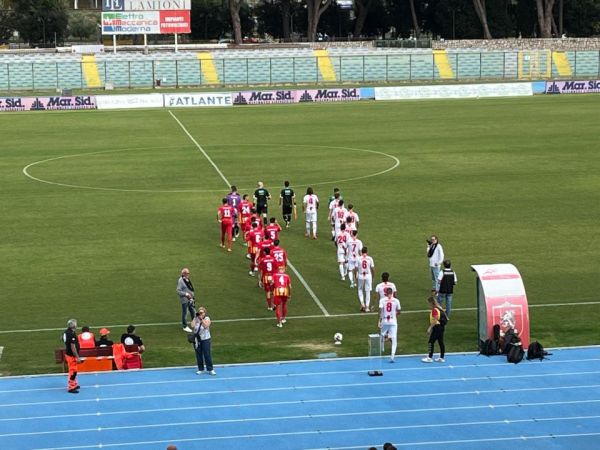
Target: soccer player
x,y
335,196
225,216
332,203
339,217
382,287
234,199
264,244
352,218
365,279
353,251
253,237
273,229
342,257
245,213
261,197
279,254
310,205
389,310
287,201
282,291
267,270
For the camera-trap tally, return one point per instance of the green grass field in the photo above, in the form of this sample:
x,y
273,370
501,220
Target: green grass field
x,y
126,200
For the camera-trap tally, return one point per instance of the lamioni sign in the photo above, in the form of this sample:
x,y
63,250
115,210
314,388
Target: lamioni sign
x,y
146,5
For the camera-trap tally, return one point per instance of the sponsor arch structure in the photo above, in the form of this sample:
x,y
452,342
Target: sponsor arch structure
x,y
502,300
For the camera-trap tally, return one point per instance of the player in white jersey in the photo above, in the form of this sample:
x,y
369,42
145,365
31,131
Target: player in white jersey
x,y
340,241
333,202
389,309
385,283
364,274
310,204
338,215
352,218
353,251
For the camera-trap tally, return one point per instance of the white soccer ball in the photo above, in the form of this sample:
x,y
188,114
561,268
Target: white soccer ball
x,y
338,337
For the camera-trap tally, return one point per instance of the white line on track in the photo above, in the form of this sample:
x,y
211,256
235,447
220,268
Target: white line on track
x,y
300,277
313,316
359,430
313,387
453,367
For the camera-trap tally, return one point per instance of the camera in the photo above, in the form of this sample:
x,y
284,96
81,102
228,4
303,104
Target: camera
x,y
428,241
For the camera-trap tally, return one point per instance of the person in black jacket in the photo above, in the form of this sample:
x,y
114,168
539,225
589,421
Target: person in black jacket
x,y
446,280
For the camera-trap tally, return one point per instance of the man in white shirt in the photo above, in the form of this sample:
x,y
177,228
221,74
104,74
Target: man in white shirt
x,y
435,254
339,217
340,241
333,203
389,309
352,218
382,287
353,251
310,204
364,270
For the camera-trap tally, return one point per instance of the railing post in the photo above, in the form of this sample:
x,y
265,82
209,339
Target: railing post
x,y
177,74
409,67
154,75
270,71
363,68
57,83
294,68
129,73
575,62
224,72
247,73
387,67
33,76
8,76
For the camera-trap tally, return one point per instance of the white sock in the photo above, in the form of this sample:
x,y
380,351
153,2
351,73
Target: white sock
x,y
394,344
361,297
342,270
368,296
308,228
351,276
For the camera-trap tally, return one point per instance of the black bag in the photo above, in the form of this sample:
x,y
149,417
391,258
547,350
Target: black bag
x,y
510,338
496,332
489,347
536,351
191,337
443,317
515,353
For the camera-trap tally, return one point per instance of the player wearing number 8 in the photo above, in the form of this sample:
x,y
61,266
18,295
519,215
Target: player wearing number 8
x,y
389,309
282,291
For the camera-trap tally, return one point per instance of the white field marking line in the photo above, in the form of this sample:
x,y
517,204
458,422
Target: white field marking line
x,y
311,316
159,191
301,374
300,277
302,416
353,430
95,188
291,418
469,441
305,387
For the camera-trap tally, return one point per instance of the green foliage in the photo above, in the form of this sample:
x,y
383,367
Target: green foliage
x,y
502,180
82,25
6,26
38,21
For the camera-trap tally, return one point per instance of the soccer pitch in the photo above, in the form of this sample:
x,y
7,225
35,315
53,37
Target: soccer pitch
x,y
101,210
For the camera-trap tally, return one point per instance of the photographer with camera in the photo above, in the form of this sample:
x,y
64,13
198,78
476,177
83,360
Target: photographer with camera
x,y
185,291
435,253
201,326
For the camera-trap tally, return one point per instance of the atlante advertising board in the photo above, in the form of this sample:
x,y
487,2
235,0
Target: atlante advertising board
x,y
47,103
573,87
198,100
146,5
146,22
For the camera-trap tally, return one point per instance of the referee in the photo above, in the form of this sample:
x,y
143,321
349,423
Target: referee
x,y
261,196
287,201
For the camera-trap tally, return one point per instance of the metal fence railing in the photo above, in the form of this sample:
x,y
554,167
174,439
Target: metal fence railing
x,y
372,67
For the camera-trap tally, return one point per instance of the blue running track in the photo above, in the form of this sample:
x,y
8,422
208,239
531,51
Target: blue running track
x,y
469,402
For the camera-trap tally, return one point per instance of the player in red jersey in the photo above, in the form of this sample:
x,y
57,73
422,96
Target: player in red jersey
x,y
253,237
255,217
273,229
279,254
267,270
282,291
225,215
264,244
245,213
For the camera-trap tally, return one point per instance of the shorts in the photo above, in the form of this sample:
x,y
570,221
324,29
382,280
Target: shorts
x,y
262,209
311,216
267,281
278,300
389,329
286,210
341,256
365,283
352,264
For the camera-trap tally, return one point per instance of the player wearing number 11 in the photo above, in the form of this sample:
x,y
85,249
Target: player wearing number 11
x,y
225,216
389,309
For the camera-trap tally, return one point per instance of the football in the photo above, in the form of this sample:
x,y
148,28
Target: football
x,y
338,337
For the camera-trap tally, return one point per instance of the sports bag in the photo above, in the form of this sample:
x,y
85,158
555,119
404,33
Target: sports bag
x,y
515,353
536,351
510,338
489,347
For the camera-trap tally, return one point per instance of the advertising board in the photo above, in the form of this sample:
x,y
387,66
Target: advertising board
x,y
146,22
146,5
573,87
47,103
454,91
295,96
130,101
198,100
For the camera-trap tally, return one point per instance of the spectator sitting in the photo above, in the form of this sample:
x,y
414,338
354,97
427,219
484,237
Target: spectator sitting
x,y
86,338
104,341
130,338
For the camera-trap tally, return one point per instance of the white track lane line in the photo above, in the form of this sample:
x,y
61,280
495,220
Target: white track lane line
x,y
314,316
209,159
